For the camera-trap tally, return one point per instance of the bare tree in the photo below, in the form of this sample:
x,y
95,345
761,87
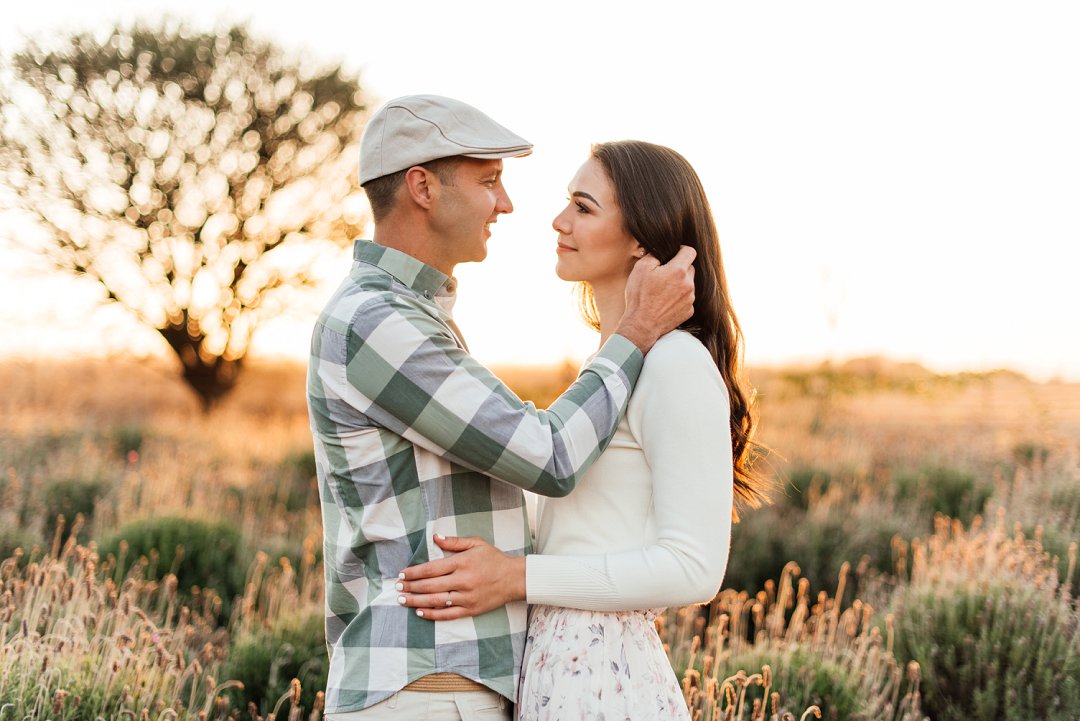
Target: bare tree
x,y
194,176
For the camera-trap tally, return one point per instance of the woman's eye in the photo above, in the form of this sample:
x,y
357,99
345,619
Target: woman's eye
x,y
581,208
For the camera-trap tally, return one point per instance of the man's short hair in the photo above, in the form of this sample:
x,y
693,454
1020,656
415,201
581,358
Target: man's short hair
x,y
382,192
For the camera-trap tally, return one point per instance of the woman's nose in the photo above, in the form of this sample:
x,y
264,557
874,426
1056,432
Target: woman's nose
x,y
560,224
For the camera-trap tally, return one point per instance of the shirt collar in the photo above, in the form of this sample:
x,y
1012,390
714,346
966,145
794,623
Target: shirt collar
x,y
415,274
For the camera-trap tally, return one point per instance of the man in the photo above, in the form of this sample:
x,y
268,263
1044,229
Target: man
x,y
413,437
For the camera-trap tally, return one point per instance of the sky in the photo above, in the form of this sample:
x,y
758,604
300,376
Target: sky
x,y
897,179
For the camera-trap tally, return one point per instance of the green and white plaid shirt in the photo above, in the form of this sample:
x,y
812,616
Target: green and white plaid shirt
x,y
413,437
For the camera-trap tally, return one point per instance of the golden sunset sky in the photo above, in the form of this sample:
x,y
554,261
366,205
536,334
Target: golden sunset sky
x,y
900,179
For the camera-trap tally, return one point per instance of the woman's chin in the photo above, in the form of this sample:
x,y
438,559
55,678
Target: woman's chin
x,y
564,273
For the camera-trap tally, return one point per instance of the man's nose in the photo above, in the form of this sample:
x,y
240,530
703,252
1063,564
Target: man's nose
x,y
504,204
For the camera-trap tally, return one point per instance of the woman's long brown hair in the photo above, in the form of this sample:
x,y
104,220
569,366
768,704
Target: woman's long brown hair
x,y
664,206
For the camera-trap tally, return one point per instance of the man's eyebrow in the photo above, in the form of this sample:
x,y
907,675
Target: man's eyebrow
x,y
583,194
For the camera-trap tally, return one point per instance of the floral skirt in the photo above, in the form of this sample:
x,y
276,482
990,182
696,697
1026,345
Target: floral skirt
x,y
598,666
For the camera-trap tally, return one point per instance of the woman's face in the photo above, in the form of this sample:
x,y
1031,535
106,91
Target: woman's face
x,y
594,246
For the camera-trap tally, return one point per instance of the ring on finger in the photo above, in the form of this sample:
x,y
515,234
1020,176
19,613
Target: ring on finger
x,y
448,601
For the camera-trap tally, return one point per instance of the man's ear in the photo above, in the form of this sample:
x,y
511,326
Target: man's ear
x,y
419,184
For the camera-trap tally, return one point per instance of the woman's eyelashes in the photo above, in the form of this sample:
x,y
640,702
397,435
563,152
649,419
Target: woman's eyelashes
x,y
579,206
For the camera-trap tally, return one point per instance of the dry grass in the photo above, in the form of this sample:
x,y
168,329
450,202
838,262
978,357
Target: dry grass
x,y
808,649
78,645
131,427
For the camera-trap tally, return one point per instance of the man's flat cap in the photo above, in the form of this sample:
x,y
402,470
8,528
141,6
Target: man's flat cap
x,y
416,129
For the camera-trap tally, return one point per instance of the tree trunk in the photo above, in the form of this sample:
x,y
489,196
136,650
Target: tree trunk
x,y
210,376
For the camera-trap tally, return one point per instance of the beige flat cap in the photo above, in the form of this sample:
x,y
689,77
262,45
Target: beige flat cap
x,y
417,129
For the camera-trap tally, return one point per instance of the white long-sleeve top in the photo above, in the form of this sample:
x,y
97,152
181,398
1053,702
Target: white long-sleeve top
x,y
649,525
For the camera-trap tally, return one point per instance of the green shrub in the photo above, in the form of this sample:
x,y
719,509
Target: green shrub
x,y
1065,499
268,660
13,537
854,533
1048,507
68,498
995,637
804,484
758,552
819,540
213,555
300,463
1030,453
1055,541
1006,652
293,551
298,488
803,678
127,439
948,491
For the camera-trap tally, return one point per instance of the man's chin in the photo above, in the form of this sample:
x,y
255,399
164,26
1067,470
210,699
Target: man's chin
x,y
474,259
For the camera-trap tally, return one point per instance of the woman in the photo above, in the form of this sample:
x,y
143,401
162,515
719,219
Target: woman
x,y
649,524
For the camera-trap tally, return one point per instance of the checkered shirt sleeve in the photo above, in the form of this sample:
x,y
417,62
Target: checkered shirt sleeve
x,y
403,369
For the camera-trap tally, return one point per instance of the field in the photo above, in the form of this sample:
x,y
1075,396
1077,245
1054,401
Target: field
x,y
918,560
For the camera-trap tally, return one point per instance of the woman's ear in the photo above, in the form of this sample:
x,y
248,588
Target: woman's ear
x,y
640,251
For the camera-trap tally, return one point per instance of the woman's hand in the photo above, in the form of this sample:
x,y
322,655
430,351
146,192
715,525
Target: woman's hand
x,y
476,579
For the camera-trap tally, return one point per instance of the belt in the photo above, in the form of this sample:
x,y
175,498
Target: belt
x,y
444,683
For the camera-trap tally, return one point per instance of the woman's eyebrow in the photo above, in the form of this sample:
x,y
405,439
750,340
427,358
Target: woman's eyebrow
x,y
583,194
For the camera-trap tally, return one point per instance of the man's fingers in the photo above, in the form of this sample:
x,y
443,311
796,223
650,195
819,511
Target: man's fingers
x,y
648,262
684,258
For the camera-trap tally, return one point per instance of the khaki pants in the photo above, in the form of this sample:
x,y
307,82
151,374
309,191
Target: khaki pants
x,y
426,706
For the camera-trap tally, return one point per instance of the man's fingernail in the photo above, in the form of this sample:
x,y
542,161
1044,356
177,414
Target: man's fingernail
x,y
401,600
419,613
399,586
439,536
401,576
